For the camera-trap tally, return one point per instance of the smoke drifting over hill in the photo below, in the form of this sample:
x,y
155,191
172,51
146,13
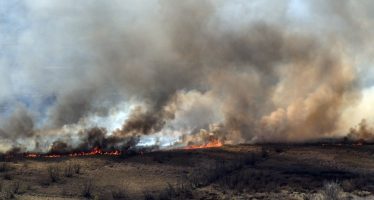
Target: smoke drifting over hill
x,y
182,69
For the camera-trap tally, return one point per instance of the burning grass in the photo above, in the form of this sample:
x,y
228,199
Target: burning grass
x,y
94,152
97,151
211,144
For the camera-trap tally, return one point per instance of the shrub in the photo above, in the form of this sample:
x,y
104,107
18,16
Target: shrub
x,y
204,177
12,189
8,194
360,182
8,176
87,189
4,167
45,181
180,191
77,168
331,191
119,194
167,193
238,181
347,185
278,149
310,196
54,173
149,196
68,171
15,187
250,159
264,153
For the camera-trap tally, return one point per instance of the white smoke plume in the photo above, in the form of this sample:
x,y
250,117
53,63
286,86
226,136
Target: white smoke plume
x,y
169,71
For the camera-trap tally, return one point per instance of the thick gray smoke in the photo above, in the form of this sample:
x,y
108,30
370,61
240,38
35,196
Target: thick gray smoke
x,y
190,68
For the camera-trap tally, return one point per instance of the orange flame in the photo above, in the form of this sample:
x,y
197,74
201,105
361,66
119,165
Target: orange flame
x,y
94,151
211,144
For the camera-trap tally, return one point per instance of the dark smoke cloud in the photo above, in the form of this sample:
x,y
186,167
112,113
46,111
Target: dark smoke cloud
x,y
142,122
257,80
98,138
95,137
19,125
60,147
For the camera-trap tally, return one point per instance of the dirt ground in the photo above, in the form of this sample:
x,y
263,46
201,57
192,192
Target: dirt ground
x,y
229,172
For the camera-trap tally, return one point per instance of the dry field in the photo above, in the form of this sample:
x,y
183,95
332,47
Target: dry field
x,y
229,172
